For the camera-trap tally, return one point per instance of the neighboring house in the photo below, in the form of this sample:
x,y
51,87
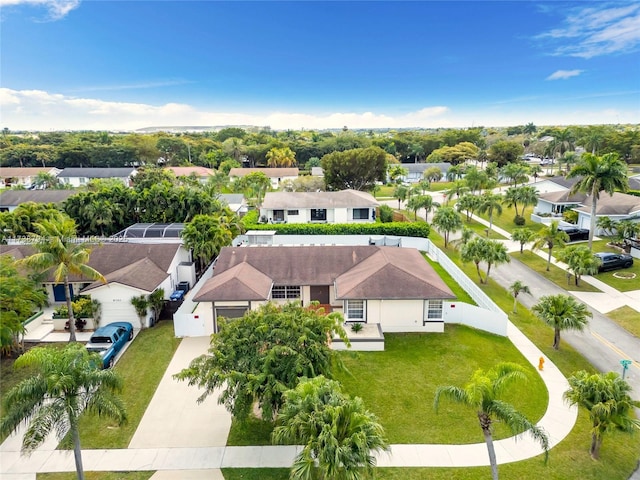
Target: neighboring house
x,y
276,175
24,176
618,207
235,201
317,172
394,288
78,177
553,184
202,173
416,170
131,269
555,203
345,206
11,199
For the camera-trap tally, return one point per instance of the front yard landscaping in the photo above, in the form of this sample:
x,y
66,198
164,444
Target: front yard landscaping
x,y
555,274
505,221
624,279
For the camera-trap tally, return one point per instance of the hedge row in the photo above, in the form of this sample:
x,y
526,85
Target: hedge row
x,y
398,229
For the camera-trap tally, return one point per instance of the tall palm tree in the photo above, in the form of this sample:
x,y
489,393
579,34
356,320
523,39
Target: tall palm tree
x,y
400,192
57,249
495,253
64,384
482,393
562,312
606,397
516,288
596,174
458,189
491,203
338,434
447,220
550,237
422,201
522,235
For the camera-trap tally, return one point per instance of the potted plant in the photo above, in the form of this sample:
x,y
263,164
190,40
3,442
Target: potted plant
x,y
356,327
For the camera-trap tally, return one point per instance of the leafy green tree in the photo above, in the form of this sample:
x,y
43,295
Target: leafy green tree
x,y
258,357
549,236
447,220
580,261
468,203
466,235
529,128
562,312
396,172
607,225
358,168
19,298
432,174
226,166
515,173
516,288
141,304
57,250
606,398
205,235
503,152
65,383
156,302
254,185
338,434
482,394
522,235
491,204
597,174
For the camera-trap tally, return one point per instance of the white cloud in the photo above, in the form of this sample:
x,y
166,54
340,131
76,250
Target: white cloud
x,y
564,74
41,110
56,9
593,31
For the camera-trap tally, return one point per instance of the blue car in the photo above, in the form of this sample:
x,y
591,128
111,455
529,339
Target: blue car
x,y
109,340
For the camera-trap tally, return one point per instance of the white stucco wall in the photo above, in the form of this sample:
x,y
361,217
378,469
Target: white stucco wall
x,y
115,302
476,317
400,316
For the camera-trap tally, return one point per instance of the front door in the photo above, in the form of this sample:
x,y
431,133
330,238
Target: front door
x,y
59,294
320,294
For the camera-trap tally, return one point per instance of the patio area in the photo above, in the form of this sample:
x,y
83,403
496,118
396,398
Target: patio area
x,y
369,339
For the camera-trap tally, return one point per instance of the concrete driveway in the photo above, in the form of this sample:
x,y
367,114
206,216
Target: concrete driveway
x,y
174,418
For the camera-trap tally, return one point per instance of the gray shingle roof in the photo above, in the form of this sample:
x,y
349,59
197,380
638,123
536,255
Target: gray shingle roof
x,y
616,204
97,172
12,198
363,272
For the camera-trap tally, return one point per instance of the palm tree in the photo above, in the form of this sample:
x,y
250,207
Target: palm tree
x,y
550,237
465,237
432,174
516,288
596,174
156,302
205,235
607,225
569,158
490,203
468,203
522,235
421,201
447,220
57,250
400,192
64,384
606,397
535,170
580,261
495,253
141,304
562,312
338,434
482,393
528,197
281,157
458,189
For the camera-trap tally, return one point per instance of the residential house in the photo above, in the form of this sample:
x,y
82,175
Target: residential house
x,y
131,269
12,199
555,203
416,171
276,175
201,173
77,177
23,176
394,288
618,207
235,201
345,206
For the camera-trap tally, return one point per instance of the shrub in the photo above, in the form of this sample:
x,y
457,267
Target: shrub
x,y
519,220
570,216
400,229
250,218
83,307
385,214
356,327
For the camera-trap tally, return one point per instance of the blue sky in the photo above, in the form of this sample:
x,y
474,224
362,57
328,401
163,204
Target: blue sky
x,y
72,64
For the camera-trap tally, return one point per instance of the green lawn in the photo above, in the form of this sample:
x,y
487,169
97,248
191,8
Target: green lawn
x,y
505,221
142,366
627,318
622,284
555,274
460,293
481,229
96,476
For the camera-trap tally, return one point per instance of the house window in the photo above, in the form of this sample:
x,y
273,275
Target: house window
x,y
318,214
278,216
434,310
355,310
361,214
292,212
287,292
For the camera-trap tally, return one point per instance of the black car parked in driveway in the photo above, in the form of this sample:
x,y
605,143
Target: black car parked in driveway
x,y
613,261
575,233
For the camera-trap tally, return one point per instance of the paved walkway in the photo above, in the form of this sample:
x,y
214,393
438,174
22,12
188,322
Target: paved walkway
x,y
198,444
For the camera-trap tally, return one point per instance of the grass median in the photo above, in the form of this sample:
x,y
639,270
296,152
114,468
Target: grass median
x,y
627,318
